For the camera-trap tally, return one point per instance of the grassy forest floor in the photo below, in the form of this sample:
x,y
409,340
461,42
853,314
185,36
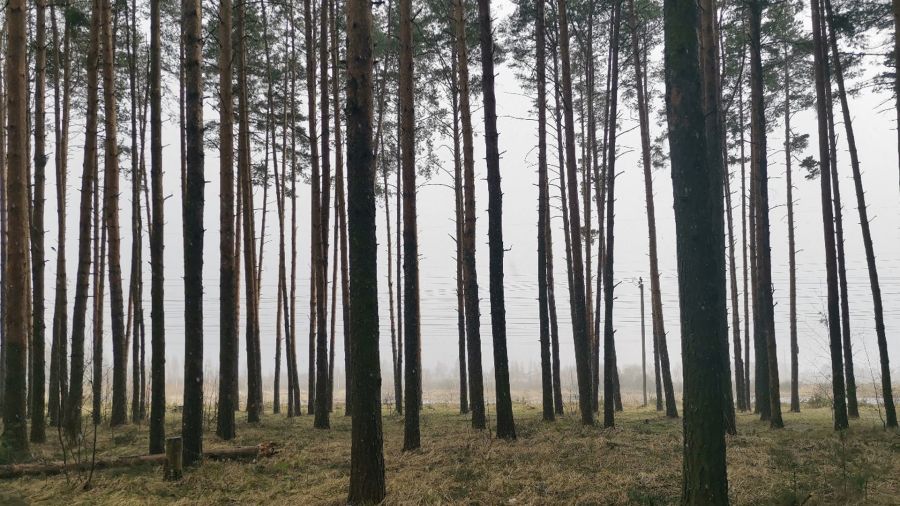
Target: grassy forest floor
x,y
638,462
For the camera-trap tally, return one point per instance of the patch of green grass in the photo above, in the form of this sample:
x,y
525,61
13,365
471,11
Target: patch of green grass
x,y
637,462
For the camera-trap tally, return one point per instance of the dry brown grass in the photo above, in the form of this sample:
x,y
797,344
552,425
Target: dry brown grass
x,y
638,462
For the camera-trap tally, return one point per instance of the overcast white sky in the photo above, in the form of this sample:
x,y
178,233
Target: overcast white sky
x,y
875,132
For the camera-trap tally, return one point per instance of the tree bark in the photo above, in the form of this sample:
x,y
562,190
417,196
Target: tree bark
x,y
701,259
14,437
792,249
366,454
192,416
315,199
890,410
473,312
834,331
460,224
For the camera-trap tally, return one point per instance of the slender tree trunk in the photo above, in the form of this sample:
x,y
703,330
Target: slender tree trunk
x,y
59,349
118,415
14,437
580,333
366,454
834,331
3,217
505,424
293,292
792,249
38,385
764,258
192,414
543,216
460,224
557,401
228,332
341,205
411,311
89,175
744,248
849,374
701,259
315,200
890,411
470,275
254,373
100,243
609,346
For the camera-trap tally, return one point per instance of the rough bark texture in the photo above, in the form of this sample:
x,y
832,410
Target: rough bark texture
x,y
792,249
192,416
701,260
764,256
15,437
366,454
460,224
228,333
887,395
506,428
473,312
834,330
412,336
579,329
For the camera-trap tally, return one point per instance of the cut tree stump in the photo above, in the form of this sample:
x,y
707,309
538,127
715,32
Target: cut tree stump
x,y
52,468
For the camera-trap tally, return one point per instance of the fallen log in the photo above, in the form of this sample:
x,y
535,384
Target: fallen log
x,y
51,468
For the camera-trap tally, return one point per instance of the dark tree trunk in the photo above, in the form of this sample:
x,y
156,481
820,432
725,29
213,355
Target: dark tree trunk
x,y
764,258
411,315
792,249
192,415
745,265
473,313
701,259
580,332
118,415
506,428
557,401
543,216
321,410
609,344
834,331
15,435
315,200
890,411
228,332
58,348
366,456
38,426
460,224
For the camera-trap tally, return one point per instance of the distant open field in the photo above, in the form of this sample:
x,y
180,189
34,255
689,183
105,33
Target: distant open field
x,y
638,462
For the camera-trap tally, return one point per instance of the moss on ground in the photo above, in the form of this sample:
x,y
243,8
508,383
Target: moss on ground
x,y
638,462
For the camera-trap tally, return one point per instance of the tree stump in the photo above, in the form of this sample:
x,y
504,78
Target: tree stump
x,y
172,468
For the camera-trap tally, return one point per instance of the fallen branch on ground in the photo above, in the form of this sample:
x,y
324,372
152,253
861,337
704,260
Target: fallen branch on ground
x,y
51,468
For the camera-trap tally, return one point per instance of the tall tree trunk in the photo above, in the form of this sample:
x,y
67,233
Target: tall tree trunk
x,y
315,200
14,437
506,428
701,259
473,312
88,183
366,454
764,258
411,311
254,373
192,414
58,351
99,287
293,299
834,331
228,332
118,414
792,249
38,390
715,141
558,402
321,410
849,374
580,332
460,224
890,410
340,205
3,216
543,216
157,270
